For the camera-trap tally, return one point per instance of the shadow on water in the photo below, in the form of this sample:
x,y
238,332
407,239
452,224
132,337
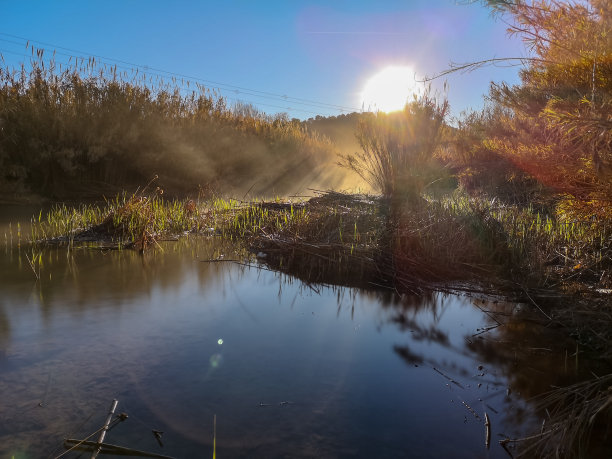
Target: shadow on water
x,y
541,364
290,367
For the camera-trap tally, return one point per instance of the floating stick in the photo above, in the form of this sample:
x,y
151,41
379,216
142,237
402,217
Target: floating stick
x,y
105,429
487,430
116,450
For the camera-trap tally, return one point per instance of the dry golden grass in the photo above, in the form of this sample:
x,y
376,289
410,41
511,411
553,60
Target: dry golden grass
x,y
87,130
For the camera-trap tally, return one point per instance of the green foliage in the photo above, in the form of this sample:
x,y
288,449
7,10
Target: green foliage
x,y
135,220
340,129
546,248
454,237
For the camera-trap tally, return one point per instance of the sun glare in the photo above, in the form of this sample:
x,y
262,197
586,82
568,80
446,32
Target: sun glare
x,y
389,89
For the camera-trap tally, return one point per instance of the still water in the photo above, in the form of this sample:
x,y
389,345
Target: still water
x,y
286,369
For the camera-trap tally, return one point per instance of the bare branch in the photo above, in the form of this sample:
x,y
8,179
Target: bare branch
x,y
471,66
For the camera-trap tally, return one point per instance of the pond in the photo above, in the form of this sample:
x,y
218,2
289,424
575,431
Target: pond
x,y
255,363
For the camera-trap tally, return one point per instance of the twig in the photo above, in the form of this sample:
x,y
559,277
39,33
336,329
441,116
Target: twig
x,y
487,329
31,262
219,260
536,304
487,430
471,410
447,377
475,65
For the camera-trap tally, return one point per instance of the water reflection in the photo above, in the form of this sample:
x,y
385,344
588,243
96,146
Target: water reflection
x,y
289,368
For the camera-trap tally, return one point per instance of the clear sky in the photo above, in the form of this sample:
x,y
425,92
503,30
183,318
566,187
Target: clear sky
x,y
283,52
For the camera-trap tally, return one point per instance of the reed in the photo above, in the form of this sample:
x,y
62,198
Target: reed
x,y
135,220
87,129
550,248
455,237
570,416
397,149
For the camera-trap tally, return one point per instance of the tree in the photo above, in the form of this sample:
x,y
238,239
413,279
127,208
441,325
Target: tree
x,y
560,130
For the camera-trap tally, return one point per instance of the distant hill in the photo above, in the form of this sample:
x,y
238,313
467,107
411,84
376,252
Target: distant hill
x,y
339,129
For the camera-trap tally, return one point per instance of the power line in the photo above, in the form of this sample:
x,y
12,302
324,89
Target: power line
x,y
182,88
222,86
162,73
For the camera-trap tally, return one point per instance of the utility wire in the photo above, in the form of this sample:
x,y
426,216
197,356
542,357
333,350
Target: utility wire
x,y
162,72
175,82
182,88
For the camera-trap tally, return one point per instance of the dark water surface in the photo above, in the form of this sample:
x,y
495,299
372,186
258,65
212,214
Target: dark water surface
x,y
289,370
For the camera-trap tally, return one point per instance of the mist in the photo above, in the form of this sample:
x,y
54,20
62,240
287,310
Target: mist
x,y
84,133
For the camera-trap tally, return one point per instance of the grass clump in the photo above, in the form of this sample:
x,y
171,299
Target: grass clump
x,y
397,149
127,221
548,249
573,413
335,241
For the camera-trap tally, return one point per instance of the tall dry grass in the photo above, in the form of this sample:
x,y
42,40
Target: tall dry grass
x,y
397,149
88,128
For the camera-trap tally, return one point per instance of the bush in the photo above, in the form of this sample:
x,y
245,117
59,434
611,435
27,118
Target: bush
x,y
397,156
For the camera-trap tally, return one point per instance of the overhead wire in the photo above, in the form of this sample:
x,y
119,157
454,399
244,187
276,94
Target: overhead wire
x,y
181,87
165,73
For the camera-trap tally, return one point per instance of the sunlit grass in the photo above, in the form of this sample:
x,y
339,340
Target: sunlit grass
x,y
453,237
536,242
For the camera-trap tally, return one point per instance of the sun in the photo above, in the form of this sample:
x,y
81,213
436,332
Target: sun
x,y
389,89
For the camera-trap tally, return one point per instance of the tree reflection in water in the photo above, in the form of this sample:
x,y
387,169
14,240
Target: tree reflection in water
x,y
532,357
153,364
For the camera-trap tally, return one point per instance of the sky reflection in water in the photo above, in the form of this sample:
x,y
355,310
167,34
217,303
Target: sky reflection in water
x,y
289,370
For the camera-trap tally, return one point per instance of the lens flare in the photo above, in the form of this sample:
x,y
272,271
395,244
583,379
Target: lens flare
x,y
216,360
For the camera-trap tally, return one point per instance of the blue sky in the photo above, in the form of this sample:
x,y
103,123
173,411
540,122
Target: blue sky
x,y
320,51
